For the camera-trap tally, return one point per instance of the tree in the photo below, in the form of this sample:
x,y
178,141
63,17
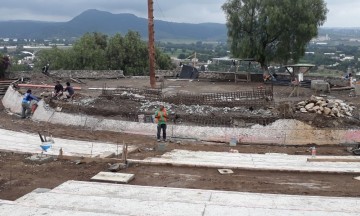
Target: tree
x,y
95,51
181,56
89,52
272,30
115,52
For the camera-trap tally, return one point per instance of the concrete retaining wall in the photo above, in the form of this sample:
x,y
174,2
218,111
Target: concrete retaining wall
x,y
12,100
287,132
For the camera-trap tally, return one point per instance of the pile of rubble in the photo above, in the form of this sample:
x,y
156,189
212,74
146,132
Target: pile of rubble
x,y
200,109
327,107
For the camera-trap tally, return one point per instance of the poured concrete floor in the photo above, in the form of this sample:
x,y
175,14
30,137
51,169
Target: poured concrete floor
x,y
278,162
30,143
80,198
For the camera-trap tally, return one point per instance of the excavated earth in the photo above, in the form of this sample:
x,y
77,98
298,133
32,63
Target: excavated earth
x,y
18,178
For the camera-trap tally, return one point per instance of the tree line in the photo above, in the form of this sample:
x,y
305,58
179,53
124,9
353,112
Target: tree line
x,y
97,51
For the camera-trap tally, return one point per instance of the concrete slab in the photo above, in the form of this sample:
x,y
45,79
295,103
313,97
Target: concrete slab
x,y
24,210
113,177
30,143
43,112
143,200
12,100
227,160
70,119
111,205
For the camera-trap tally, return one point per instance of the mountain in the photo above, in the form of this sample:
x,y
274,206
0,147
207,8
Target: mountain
x,y
108,23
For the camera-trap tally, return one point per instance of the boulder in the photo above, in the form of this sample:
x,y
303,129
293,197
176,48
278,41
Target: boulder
x,y
323,104
321,109
343,104
335,110
330,105
303,110
313,99
319,112
309,106
302,103
348,114
339,101
327,111
316,108
311,110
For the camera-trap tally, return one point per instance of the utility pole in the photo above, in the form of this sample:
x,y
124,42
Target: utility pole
x,y
151,43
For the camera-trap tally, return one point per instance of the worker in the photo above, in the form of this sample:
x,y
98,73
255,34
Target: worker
x,y
161,118
58,90
70,91
45,69
26,101
266,76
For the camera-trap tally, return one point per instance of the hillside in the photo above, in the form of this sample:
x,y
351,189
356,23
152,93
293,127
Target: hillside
x,y
108,23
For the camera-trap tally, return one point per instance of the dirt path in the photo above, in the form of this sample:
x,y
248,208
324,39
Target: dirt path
x,y
18,178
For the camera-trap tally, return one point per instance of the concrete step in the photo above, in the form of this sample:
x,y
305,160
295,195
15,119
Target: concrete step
x,y
144,200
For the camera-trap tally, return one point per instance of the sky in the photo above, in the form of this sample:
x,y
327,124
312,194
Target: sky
x,y
342,13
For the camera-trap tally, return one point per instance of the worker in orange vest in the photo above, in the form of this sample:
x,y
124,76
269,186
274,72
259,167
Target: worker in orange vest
x,y
161,118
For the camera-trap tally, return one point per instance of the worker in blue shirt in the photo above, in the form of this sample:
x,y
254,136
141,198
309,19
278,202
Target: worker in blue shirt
x,y
28,97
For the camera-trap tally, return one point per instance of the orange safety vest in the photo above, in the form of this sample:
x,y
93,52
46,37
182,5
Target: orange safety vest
x,y
161,116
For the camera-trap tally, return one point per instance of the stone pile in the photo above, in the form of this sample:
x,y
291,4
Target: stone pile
x,y
327,107
200,109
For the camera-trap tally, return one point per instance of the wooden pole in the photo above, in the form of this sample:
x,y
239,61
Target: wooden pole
x,y
151,43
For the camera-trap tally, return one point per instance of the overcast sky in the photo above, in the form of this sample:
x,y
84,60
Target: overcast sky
x,y
342,13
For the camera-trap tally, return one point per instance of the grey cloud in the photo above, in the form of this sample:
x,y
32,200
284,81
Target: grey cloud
x,y
341,13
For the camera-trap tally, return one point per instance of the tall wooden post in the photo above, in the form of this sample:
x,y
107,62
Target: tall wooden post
x,y
151,43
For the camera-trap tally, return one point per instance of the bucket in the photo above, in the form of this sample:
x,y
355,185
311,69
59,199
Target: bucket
x,y
233,141
45,146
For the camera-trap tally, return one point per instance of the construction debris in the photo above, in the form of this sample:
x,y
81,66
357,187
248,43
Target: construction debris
x,y
116,167
200,109
225,171
327,107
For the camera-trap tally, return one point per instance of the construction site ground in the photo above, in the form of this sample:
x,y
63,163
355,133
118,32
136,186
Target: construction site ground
x,y
18,177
